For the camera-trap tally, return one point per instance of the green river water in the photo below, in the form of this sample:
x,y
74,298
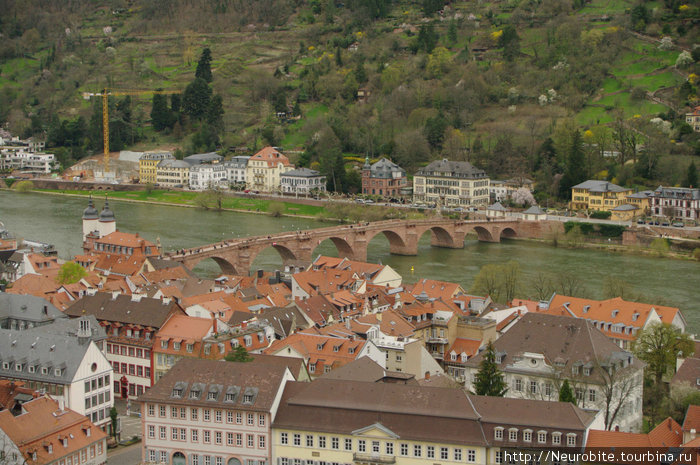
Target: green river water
x,y
57,220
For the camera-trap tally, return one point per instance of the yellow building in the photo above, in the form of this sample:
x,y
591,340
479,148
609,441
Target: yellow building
x,y
642,200
598,195
148,163
264,169
173,173
345,421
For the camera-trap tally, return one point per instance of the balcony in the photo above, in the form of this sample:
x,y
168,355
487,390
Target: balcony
x,y
372,458
437,340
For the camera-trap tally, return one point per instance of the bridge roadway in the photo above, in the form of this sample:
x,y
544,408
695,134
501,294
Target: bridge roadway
x,y
235,256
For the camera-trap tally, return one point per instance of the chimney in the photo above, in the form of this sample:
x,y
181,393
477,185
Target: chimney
x,y
61,405
214,325
260,274
115,294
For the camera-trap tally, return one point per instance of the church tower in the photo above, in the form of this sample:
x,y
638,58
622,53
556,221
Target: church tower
x,y
90,219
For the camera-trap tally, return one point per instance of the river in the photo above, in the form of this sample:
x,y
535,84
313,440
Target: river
x,y
57,220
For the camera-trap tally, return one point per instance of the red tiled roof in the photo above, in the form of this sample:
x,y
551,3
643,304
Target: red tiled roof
x,y
271,156
692,418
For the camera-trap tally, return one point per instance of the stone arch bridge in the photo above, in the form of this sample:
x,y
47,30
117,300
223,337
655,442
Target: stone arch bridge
x,y
235,256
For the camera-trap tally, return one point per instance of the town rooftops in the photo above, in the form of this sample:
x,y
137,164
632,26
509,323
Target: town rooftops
x,y
640,195
157,156
593,185
530,412
692,418
179,164
685,193
452,169
123,309
366,369
118,238
625,207
271,156
27,308
534,210
13,393
688,373
667,434
239,161
251,386
199,158
386,169
497,207
563,341
302,173
41,424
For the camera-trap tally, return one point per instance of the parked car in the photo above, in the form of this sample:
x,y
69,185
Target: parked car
x,y
665,224
678,224
640,222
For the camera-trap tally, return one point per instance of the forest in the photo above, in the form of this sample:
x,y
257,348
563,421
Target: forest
x,y
556,91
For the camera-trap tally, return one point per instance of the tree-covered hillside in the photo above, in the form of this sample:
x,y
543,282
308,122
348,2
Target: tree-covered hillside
x,y
555,90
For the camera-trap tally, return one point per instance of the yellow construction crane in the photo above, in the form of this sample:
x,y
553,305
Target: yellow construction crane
x,y
105,109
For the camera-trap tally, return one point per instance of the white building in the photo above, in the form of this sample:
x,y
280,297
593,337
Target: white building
x,y
30,162
679,203
206,176
236,168
540,351
302,181
451,184
68,366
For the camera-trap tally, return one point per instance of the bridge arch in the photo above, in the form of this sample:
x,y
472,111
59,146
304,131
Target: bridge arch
x,y
283,250
397,243
225,266
483,234
441,237
342,246
507,233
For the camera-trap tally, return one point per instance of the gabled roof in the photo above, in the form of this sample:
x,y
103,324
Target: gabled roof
x,y
321,351
258,379
436,289
571,341
324,281
366,369
667,434
692,418
534,210
28,308
43,423
385,169
688,373
124,309
125,240
497,207
470,347
271,156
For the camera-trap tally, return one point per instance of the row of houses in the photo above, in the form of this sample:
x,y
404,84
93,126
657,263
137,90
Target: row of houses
x,y
25,155
674,203
267,171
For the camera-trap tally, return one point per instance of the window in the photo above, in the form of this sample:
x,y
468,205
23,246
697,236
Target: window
x,y
548,389
361,445
430,452
533,387
207,414
261,420
217,437
498,434
471,455
499,456
375,447
195,435
183,434
284,438
556,438
444,453
309,440
217,416
261,442
348,444
194,413
161,411
207,436
518,384
297,439
417,450
229,416
151,431
151,455
527,436
591,395
173,412
250,440
403,449
163,457
239,440
335,443
542,437
322,442
570,440
513,434
195,460
173,433
239,418
579,394
162,432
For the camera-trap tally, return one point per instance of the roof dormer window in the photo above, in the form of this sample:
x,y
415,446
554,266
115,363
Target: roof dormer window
x,y
615,313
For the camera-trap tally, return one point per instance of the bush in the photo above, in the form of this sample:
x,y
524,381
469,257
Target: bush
x,y
24,186
611,230
696,253
601,215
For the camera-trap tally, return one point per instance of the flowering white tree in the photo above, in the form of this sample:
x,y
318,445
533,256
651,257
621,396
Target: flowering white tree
x,y
684,59
666,43
523,196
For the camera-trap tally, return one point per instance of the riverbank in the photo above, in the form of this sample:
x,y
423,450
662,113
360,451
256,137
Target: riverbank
x,y
189,200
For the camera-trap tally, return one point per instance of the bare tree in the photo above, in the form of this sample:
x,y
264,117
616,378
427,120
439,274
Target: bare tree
x,y
619,383
542,285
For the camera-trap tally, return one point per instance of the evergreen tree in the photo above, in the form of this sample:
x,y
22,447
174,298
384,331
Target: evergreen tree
x,y
430,7
691,177
452,32
333,168
427,38
215,113
360,73
575,171
510,41
338,57
566,394
196,99
279,101
489,379
160,113
204,66
175,103
239,354
435,131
